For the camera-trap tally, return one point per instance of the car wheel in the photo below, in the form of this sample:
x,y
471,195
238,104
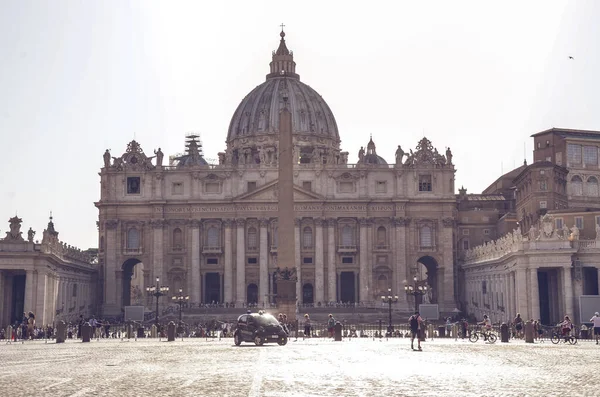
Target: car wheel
x,y
282,341
237,339
258,341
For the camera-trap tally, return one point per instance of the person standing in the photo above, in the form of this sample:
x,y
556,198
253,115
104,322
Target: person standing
x,y
330,325
306,325
518,321
415,321
596,321
30,325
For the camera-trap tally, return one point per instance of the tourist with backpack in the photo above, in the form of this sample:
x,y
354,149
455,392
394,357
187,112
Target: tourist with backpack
x,y
415,321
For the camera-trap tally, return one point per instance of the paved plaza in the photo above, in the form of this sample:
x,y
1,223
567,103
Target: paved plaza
x,y
312,367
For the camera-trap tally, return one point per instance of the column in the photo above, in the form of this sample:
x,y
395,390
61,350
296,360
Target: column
x,y
112,247
535,293
446,242
521,292
331,267
240,262
263,276
158,249
195,270
29,286
569,302
203,298
338,285
364,266
299,295
3,298
319,281
399,247
228,243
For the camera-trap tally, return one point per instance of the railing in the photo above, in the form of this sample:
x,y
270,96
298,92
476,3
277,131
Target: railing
x,y
584,245
132,251
346,248
382,247
208,249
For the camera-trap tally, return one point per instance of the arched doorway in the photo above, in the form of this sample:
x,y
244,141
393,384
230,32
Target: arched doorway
x,y
307,294
252,293
426,271
132,282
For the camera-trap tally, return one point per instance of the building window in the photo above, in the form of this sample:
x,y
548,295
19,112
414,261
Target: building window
x,y
347,236
465,232
133,185
424,183
177,239
543,186
425,237
252,239
579,222
484,287
542,172
486,231
307,185
212,261
381,236
590,155
307,260
576,186
212,237
252,260
177,188
380,187
559,158
133,239
347,259
559,223
307,237
543,205
547,143
573,154
592,186
465,244
212,187
251,186
346,187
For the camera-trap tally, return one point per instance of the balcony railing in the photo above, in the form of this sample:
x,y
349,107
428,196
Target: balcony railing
x,y
211,249
273,248
382,247
346,248
585,244
132,251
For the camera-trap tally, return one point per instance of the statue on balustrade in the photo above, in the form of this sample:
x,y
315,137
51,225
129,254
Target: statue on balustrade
x,y
106,159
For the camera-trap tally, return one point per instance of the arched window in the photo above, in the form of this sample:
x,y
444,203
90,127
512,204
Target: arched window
x,y
381,236
177,238
133,239
425,237
576,186
252,239
382,284
347,236
592,186
212,237
307,237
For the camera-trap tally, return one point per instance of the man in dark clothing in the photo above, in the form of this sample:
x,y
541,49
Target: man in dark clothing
x,y
415,322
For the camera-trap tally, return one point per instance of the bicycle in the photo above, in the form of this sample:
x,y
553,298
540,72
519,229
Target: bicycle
x,y
557,336
488,336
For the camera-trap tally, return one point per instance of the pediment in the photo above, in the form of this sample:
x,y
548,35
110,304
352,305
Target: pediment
x,y
270,192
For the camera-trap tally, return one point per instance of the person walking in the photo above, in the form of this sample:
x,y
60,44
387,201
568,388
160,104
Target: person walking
x,y
596,322
518,321
306,326
330,325
30,325
415,321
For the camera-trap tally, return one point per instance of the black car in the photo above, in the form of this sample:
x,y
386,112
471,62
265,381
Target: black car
x,y
259,328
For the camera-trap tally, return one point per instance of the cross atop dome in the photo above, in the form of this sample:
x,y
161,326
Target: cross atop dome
x,y
282,64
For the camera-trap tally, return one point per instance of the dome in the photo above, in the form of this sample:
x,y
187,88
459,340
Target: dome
x,y
258,113
371,157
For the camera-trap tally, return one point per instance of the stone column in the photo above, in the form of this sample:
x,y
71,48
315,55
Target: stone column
x,y
400,265
228,244
203,292
263,277
535,293
446,243
3,298
331,268
364,265
521,295
240,264
29,286
158,249
195,263
299,296
112,246
319,282
569,302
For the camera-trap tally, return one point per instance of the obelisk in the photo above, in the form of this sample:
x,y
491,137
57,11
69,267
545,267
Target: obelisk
x,y
286,255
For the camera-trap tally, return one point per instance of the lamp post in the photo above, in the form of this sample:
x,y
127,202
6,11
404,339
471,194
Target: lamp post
x,y
389,299
180,299
416,289
157,291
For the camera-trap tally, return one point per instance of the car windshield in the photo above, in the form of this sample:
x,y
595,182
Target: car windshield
x,y
265,319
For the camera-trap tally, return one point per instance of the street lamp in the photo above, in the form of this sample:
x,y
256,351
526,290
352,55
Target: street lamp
x,y
157,291
180,299
416,289
389,299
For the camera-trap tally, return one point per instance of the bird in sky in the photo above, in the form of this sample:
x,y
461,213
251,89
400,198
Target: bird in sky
x,y
570,57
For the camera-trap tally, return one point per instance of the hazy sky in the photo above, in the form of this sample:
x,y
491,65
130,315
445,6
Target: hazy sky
x,y
78,77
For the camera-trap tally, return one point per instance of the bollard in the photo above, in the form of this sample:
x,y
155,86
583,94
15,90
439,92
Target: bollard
x,y
455,331
9,334
504,334
86,331
337,331
171,332
61,332
153,332
529,332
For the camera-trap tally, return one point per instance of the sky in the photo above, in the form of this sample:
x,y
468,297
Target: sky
x,y
79,77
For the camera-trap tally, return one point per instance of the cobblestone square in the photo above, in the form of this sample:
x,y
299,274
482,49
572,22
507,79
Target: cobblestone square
x,y
312,367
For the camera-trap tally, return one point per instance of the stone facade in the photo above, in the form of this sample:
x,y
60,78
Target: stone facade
x,y
51,279
211,229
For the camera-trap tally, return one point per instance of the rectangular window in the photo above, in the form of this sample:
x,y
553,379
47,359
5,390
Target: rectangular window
x,y
380,187
346,187
347,259
579,222
425,183
486,231
252,260
573,154
251,186
212,261
465,244
307,260
465,232
212,187
177,188
590,155
543,204
133,185
559,223
543,186
382,259
307,185
542,172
